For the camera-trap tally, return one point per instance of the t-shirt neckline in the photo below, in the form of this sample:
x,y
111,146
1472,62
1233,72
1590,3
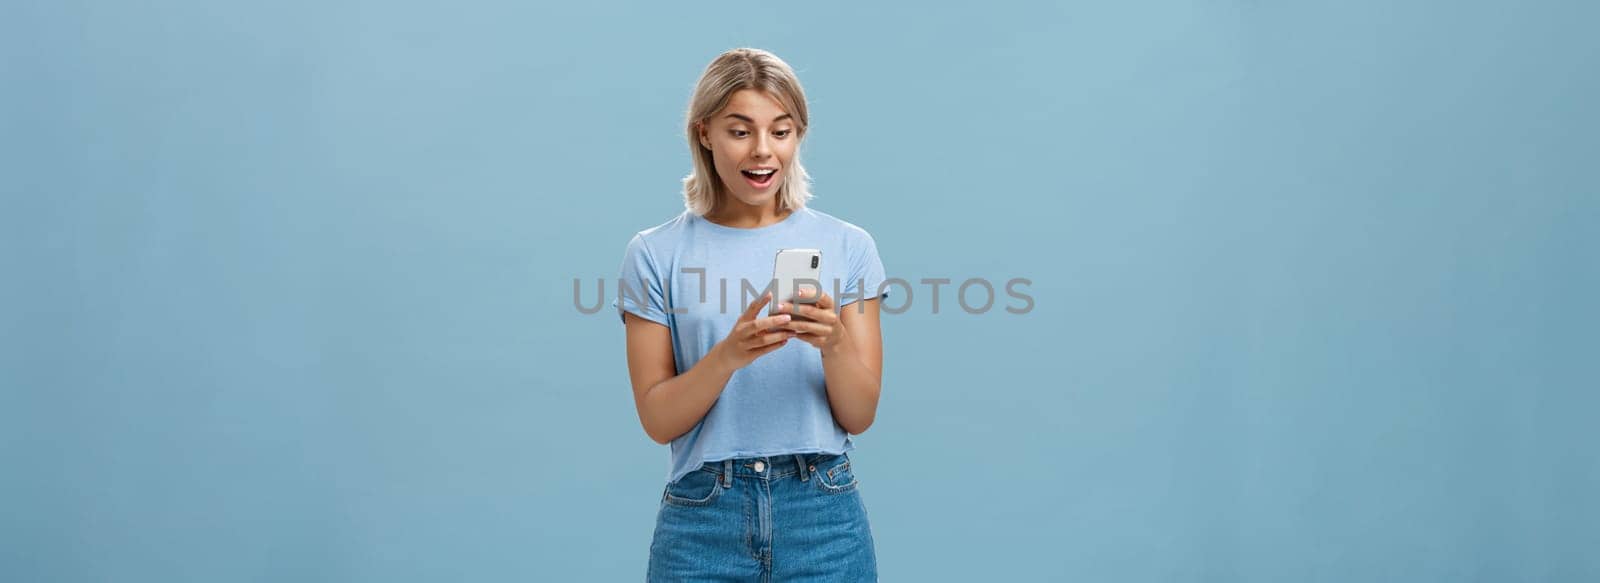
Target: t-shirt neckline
x,y
788,220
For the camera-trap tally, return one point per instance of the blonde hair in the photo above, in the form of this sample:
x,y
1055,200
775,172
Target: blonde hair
x,y
730,72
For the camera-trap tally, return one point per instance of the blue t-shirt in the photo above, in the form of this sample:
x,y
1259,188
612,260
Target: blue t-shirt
x,y
777,404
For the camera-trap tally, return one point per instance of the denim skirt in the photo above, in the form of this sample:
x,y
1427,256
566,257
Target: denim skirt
x,y
780,518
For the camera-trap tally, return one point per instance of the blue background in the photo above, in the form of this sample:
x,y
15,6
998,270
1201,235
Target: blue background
x,y
288,286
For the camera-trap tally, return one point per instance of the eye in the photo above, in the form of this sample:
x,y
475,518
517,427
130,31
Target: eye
x,y
782,133
738,133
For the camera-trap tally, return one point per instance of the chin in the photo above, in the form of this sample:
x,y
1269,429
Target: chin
x,y
756,198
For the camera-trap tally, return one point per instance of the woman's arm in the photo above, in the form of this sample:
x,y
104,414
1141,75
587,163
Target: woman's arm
x,y
852,357
670,404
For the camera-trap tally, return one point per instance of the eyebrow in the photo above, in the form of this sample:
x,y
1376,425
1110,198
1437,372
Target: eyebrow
x,y
748,120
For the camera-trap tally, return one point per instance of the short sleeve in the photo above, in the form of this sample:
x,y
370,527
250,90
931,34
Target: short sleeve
x,y
639,286
866,271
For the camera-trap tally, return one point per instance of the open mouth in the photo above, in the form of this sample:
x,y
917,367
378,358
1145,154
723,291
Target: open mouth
x,y
760,178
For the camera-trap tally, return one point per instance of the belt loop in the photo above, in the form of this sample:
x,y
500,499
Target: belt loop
x,y
727,474
800,460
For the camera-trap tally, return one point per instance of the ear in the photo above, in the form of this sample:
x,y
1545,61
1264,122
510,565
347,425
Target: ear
x,y
700,128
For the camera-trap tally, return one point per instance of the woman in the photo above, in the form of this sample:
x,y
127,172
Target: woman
x,y
759,402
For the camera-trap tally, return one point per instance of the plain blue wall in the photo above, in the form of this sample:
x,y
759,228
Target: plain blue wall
x,y
288,286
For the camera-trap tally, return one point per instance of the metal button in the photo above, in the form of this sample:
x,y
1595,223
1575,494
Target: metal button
x,y
760,465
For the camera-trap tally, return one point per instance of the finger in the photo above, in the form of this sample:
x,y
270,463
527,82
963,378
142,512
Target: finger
x,y
771,322
767,349
746,331
818,296
815,314
824,301
755,307
796,316
808,327
786,308
766,339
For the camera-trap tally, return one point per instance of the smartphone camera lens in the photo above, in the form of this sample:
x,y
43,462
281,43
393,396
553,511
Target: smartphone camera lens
x,y
814,259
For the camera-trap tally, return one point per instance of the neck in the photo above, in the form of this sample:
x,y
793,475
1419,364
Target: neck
x,y
729,212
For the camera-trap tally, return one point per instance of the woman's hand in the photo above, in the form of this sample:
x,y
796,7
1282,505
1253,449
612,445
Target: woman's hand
x,y
752,337
821,327
852,355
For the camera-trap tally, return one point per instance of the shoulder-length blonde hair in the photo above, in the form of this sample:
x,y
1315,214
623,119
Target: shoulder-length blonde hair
x,y
730,72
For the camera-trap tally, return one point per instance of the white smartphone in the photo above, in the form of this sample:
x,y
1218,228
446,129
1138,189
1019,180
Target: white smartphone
x,y
794,270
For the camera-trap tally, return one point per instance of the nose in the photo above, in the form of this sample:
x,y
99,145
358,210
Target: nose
x,y
763,147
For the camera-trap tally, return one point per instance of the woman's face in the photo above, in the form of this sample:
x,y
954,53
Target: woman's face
x,y
751,140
